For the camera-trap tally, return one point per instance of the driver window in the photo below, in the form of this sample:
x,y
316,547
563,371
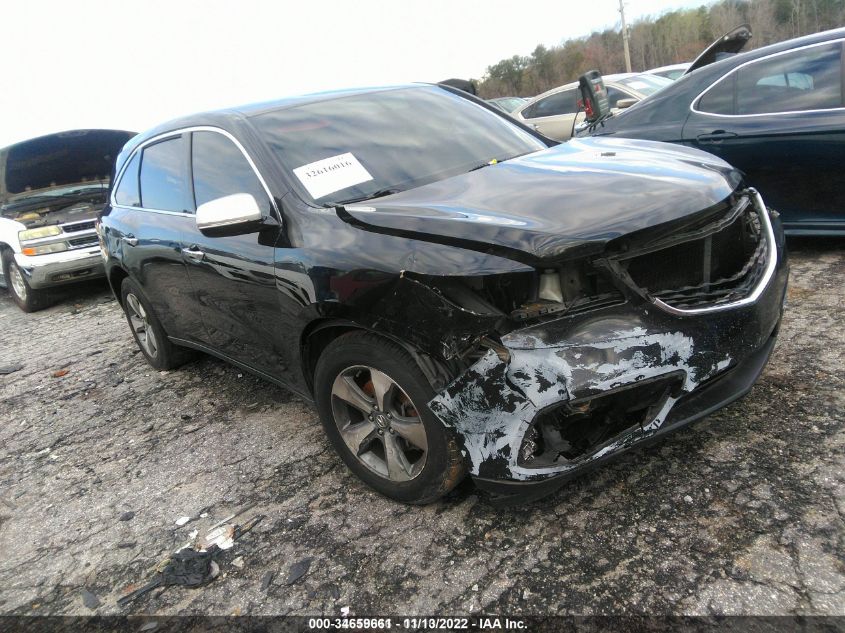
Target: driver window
x,y
220,169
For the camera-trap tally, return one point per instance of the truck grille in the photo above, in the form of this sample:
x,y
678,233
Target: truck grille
x,y
75,227
82,242
721,266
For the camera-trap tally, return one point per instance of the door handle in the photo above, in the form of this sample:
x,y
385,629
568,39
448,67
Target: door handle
x,y
193,253
131,240
716,136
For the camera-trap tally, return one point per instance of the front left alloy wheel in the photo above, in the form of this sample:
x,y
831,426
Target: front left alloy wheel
x,y
372,396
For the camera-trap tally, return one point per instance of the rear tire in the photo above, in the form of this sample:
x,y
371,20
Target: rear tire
x,y
371,396
149,334
28,298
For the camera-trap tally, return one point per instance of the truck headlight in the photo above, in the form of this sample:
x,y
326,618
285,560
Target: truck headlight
x,y
42,231
45,249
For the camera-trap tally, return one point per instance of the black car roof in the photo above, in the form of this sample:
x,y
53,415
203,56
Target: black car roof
x,y
778,47
246,111
671,104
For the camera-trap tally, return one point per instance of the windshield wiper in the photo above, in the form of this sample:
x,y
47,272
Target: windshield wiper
x,y
370,196
71,195
496,161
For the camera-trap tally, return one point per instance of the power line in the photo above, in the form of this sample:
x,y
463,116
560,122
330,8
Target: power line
x,y
625,37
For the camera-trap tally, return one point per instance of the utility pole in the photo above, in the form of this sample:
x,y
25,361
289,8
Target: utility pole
x,y
625,37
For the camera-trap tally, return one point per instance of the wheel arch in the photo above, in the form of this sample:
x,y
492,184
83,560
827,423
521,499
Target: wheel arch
x,y
3,248
319,334
115,276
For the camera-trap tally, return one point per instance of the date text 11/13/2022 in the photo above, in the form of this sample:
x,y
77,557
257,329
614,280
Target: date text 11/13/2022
x,y
487,623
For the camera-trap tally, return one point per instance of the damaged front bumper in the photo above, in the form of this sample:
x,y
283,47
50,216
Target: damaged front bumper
x,y
570,393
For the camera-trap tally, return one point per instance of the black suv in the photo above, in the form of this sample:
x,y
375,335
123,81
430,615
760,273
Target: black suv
x,y
454,292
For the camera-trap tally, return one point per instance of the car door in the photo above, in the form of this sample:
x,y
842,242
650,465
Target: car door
x,y
150,215
233,276
553,116
781,120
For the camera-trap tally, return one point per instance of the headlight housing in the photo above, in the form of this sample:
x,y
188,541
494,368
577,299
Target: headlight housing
x,y
45,249
41,231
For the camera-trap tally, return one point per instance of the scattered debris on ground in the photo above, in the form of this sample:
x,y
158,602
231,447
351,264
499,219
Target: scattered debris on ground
x,y
195,566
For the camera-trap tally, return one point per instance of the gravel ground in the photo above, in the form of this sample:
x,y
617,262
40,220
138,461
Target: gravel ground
x,y
741,513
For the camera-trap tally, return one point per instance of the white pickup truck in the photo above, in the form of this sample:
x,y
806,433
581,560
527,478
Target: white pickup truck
x,y
51,190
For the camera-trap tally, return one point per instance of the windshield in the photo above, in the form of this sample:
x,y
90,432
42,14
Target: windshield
x,y
645,84
509,104
360,146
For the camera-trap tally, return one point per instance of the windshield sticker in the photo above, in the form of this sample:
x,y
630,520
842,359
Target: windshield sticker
x,y
332,174
638,85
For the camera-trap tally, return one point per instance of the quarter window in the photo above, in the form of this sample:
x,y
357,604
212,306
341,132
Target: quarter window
x,y
163,176
720,98
563,102
127,193
220,169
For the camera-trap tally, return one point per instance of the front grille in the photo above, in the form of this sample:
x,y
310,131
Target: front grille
x,y
719,267
82,242
75,227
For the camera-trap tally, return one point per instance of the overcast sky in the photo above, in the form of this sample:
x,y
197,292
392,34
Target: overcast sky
x,y
78,63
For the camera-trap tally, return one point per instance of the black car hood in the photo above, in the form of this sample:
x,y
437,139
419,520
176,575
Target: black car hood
x,y
730,43
556,203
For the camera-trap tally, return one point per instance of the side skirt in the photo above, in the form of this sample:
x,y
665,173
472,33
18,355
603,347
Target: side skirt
x,y
257,372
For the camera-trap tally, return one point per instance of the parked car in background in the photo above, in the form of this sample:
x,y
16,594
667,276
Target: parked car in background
x,y
51,190
454,291
554,113
672,71
776,113
507,104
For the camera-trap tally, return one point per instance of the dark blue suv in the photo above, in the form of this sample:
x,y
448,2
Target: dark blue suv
x,y
776,113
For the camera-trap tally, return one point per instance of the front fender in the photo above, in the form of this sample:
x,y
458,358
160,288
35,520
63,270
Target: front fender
x,y
9,230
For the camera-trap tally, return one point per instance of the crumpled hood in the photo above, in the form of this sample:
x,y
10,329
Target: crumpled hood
x,y
577,195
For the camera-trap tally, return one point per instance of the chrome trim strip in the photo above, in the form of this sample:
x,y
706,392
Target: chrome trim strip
x,y
771,264
183,214
695,101
180,131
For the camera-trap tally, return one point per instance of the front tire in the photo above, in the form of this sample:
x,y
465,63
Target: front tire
x,y
28,298
147,330
371,397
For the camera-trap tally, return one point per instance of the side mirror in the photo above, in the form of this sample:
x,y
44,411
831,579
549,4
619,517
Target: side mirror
x,y
625,103
230,215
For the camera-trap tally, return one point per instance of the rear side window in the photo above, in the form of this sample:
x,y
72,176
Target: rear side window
x,y
163,176
808,79
563,102
128,193
220,169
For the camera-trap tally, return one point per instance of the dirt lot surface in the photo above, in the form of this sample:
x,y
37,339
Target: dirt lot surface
x,y
741,513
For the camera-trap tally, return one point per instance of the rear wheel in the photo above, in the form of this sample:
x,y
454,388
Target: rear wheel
x,y
372,396
150,336
28,298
